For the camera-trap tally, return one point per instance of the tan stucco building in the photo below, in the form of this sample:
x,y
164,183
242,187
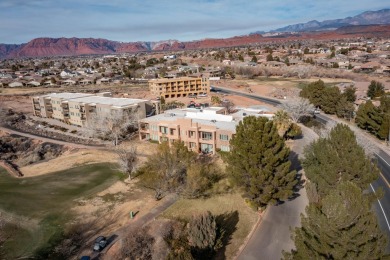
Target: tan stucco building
x,y
78,108
206,130
179,87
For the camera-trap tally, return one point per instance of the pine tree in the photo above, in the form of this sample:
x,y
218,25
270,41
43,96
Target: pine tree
x,y
328,161
341,227
350,93
313,92
375,89
330,97
369,117
259,162
345,108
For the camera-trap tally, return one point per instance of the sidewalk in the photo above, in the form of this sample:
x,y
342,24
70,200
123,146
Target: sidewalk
x,y
372,140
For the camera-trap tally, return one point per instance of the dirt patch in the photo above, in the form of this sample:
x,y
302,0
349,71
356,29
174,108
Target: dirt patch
x,y
115,204
69,159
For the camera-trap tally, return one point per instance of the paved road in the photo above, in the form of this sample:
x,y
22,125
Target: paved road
x,y
273,235
137,222
271,101
381,207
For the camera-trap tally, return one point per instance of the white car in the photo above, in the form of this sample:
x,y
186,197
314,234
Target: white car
x,y
202,95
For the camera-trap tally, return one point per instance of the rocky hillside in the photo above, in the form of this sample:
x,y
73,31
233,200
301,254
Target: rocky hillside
x,y
75,46
366,18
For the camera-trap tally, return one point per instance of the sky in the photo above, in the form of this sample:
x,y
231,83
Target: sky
x,y
155,20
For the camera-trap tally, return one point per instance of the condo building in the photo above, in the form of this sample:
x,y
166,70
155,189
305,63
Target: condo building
x,y
78,108
179,87
207,130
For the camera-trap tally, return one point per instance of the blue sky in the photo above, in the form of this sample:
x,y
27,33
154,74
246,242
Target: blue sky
x,y
154,20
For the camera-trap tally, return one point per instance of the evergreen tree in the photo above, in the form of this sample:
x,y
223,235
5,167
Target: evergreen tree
x,y
330,97
341,227
259,162
269,57
202,232
313,92
328,161
375,89
350,93
369,117
345,108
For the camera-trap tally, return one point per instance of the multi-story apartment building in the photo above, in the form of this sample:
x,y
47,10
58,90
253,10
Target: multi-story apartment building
x,y
79,109
179,87
206,130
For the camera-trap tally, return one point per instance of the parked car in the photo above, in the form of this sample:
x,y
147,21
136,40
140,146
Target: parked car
x,y
202,95
100,243
192,95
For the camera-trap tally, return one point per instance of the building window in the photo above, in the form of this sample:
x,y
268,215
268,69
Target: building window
x,y
224,137
71,113
192,145
163,130
172,131
207,136
192,133
154,137
225,148
206,148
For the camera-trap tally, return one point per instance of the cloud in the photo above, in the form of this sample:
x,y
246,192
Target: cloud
x,y
135,20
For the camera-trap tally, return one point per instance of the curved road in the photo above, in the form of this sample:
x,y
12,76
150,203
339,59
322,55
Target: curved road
x,y
265,249
273,235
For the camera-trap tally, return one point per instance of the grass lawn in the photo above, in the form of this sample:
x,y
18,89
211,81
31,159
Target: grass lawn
x,y
240,221
37,208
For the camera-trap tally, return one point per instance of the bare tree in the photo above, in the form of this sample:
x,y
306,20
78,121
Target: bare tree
x,y
137,245
128,160
112,125
297,108
229,105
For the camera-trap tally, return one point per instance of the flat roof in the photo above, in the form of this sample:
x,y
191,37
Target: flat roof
x,y
174,115
67,95
95,99
173,79
117,102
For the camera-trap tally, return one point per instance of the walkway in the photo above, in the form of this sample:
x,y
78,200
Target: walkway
x,y
273,235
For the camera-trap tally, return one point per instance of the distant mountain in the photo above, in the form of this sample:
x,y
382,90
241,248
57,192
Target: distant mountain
x,y
44,47
366,18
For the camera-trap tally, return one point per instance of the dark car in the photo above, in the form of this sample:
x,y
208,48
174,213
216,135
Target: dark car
x,y
100,243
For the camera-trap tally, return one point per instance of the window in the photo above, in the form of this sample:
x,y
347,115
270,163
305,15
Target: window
x,y
207,136
172,131
225,148
192,145
224,137
192,133
71,113
206,148
154,137
163,129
